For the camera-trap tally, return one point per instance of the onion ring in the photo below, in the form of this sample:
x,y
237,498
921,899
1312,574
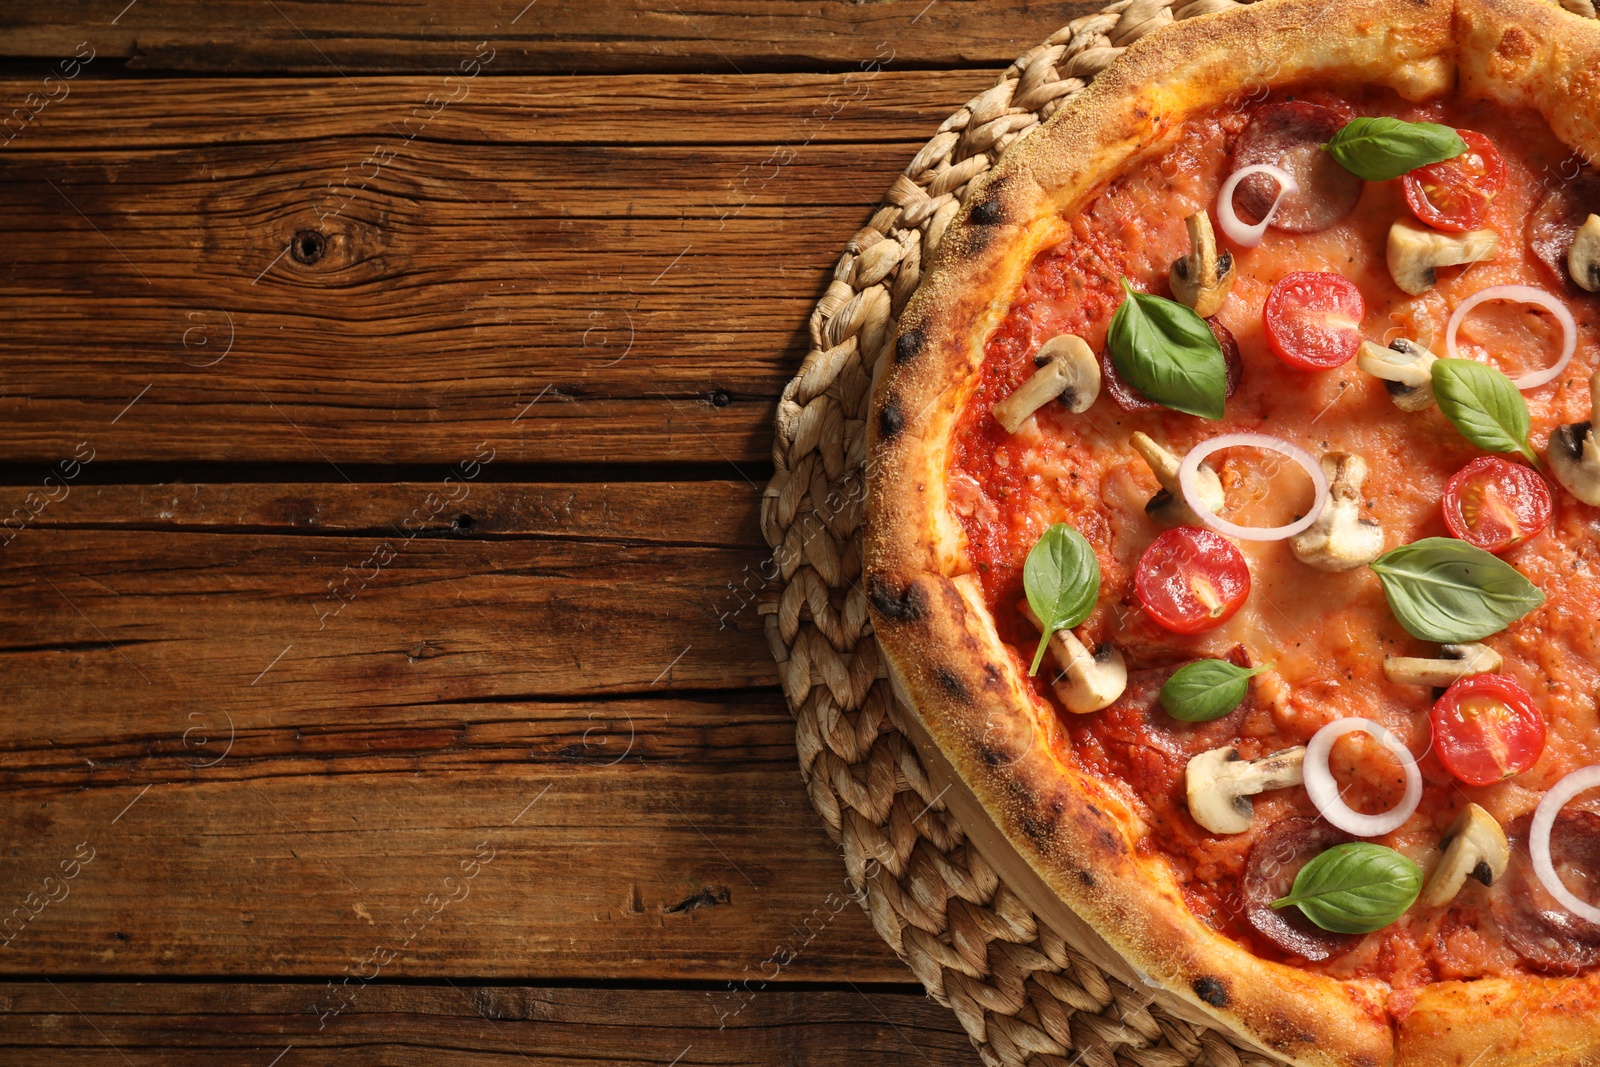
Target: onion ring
x,y
1522,294
1324,791
1544,820
1190,467
1232,225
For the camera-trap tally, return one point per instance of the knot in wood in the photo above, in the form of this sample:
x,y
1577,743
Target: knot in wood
x,y
307,246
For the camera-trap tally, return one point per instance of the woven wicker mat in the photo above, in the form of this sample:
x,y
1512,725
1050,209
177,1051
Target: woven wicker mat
x,y
1024,994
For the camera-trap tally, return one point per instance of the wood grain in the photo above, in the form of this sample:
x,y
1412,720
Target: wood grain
x,y
853,107
559,302
470,1026
551,36
262,797
410,712
710,513
317,600
668,838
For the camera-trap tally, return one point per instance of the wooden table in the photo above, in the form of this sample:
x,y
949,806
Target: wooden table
x,y
386,399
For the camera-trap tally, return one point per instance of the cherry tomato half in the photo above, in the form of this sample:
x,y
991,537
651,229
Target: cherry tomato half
x,y
1456,194
1191,579
1486,729
1496,504
1313,320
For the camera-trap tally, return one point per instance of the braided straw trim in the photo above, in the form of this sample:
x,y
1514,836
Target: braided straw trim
x,y
1023,993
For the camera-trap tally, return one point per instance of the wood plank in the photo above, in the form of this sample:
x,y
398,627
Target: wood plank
x,y
553,36
717,732
333,598
559,303
667,839
854,107
712,513
471,1026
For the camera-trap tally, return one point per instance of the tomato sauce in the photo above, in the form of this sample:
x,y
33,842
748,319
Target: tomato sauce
x,y
1326,633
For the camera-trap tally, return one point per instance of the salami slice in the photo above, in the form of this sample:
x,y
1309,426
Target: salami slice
x,y
1275,859
1130,399
1139,710
1553,224
1531,921
1290,136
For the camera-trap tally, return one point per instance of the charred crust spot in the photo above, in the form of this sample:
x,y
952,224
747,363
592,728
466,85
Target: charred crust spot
x,y
890,420
1514,44
1111,842
907,604
1038,830
1287,1035
909,345
1087,878
951,683
1214,991
985,212
1092,810
989,756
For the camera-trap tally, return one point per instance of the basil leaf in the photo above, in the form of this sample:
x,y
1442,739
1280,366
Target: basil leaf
x,y
1443,589
1380,148
1206,689
1062,580
1169,354
1484,405
1355,888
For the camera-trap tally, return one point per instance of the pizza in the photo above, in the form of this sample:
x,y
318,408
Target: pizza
x,y
1233,524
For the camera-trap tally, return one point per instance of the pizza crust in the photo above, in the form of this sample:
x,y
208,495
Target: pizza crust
x,y
1529,1022
945,657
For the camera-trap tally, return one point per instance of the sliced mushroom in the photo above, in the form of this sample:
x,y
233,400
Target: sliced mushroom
x,y
1220,785
1406,369
1416,253
1067,368
1085,681
1583,261
1475,845
1203,278
1168,506
1340,539
1455,662
1574,454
